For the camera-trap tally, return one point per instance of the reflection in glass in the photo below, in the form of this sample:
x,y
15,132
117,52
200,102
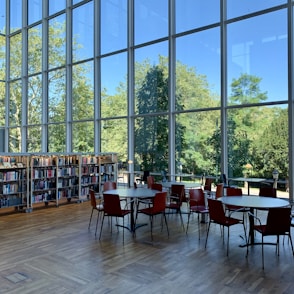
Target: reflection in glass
x,y
15,56
56,42
191,14
83,91
35,100
151,143
114,137
114,85
258,136
56,95
83,137
198,143
3,17
35,49
151,20
252,58
34,139
14,140
198,75
2,58
15,15
55,6
241,7
83,33
113,25
15,109
56,138
34,11
151,79
2,104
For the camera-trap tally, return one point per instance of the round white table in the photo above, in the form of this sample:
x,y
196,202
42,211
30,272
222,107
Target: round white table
x,y
133,193
254,202
188,185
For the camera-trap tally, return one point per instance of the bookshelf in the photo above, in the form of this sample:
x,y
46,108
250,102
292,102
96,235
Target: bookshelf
x,y
14,181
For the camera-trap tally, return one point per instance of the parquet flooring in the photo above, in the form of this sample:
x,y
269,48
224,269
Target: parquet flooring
x,y
51,250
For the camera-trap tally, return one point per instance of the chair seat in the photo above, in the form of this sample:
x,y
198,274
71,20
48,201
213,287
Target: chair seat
x,y
199,209
122,214
228,221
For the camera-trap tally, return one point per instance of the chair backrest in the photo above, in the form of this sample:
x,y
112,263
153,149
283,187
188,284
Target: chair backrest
x,y
159,202
178,190
93,198
111,204
234,191
109,186
268,192
216,211
219,190
196,197
207,184
156,186
278,221
150,181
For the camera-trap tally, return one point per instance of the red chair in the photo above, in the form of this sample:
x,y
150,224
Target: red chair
x,y
268,192
217,215
109,186
157,187
98,207
197,205
278,224
176,199
157,207
219,190
150,181
112,208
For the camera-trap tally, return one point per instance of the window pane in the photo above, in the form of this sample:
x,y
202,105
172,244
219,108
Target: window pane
x,y
35,49
56,138
151,20
83,32
114,137
83,137
151,143
114,85
113,25
2,104
35,100
198,75
241,7
15,56
151,78
15,103
258,142
257,59
191,14
55,6
15,15
198,143
3,16
34,10
14,140
34,139
57,46
83,91
56,96
2,58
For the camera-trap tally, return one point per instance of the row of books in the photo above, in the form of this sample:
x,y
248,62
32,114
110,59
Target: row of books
x,y
43,185
12,188
10,175
65,183
89,179
67,193
43,173
68,171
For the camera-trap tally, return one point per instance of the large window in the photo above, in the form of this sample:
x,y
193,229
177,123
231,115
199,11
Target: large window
x,y
198,87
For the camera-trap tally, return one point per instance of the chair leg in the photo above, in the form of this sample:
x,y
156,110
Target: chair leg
x,y
207,233
166,223
198,218
151,226
290,238
262,253
97,222
101,226
188,222
90,219
228,240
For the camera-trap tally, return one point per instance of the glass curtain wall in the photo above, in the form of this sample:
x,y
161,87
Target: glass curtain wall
x,y
171,86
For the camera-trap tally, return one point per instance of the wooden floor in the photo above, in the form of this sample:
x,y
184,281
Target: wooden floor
x,y
51,250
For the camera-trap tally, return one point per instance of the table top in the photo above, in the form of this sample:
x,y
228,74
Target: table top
x,y
133,192
189,185
252,180
252,201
